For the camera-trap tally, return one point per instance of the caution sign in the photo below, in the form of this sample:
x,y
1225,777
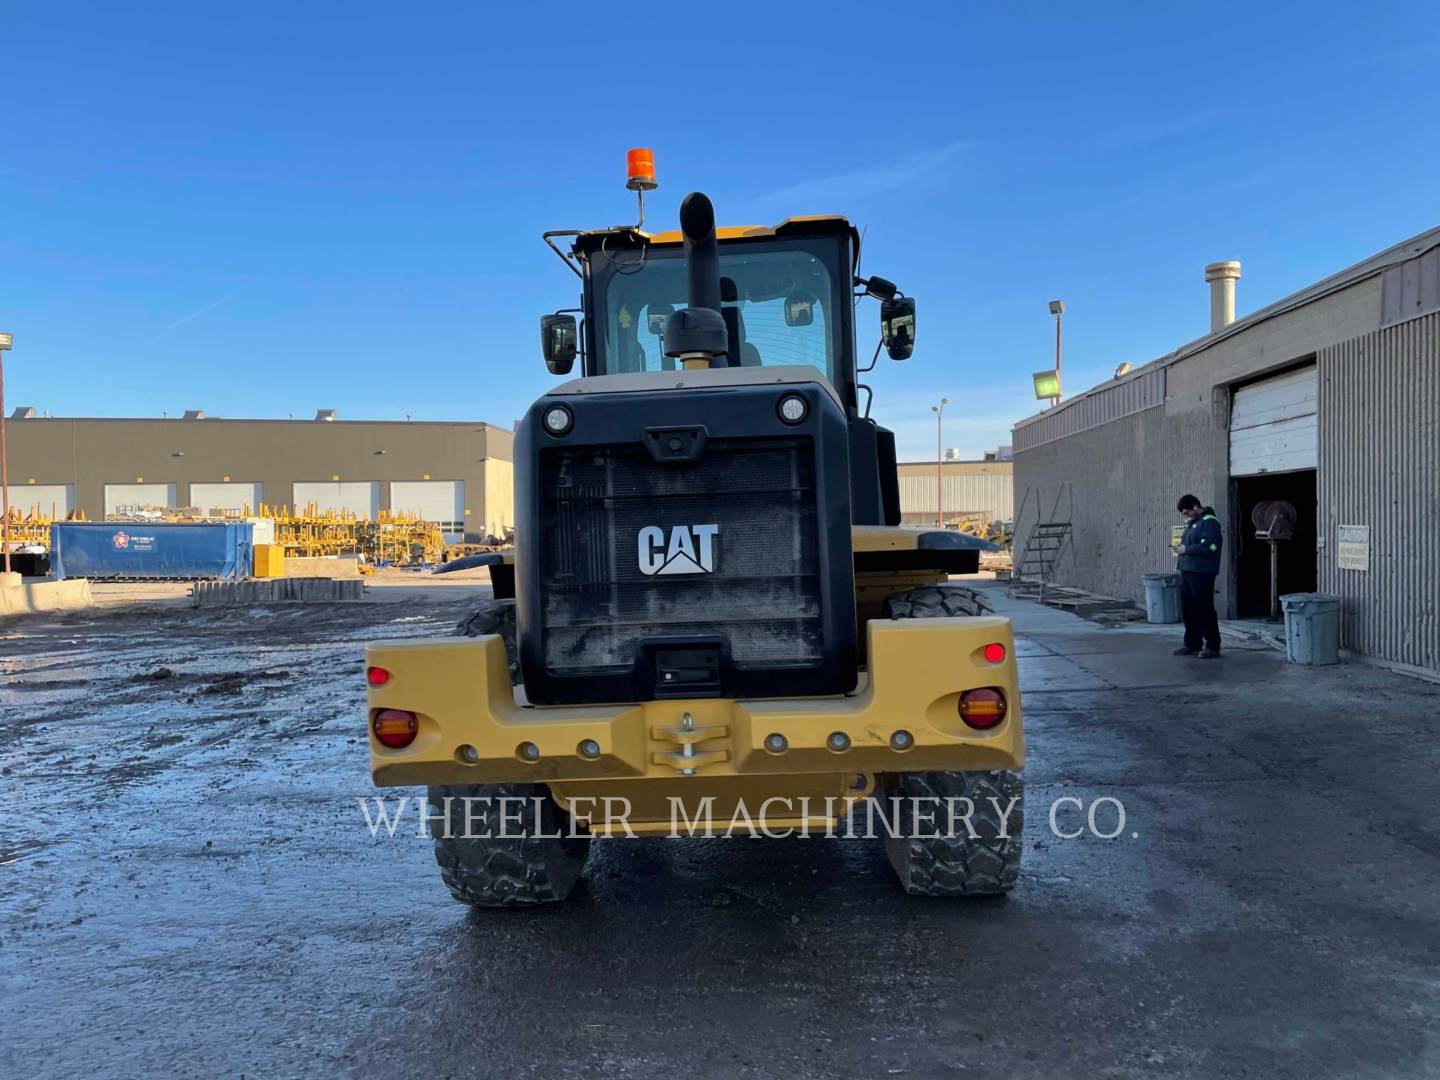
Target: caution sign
x,y
1354,547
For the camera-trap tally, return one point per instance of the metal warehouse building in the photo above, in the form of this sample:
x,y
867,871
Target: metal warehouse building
x,y
457,474
971,488
1328,399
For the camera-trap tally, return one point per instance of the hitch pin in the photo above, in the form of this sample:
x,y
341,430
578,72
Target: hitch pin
x,y
687,723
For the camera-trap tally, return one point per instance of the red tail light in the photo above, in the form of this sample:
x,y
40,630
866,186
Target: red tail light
x,y
982,708
394,728
377,676
994,652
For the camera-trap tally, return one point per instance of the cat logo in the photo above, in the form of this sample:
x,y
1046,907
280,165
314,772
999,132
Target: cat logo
x,y
690,550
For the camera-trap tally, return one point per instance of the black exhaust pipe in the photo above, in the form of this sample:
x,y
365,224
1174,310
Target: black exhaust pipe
x,y
698,331
702,254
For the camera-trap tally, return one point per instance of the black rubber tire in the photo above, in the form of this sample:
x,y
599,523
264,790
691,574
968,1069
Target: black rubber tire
x,y
937,602
495,617
929,857
933,860
488,870
504,871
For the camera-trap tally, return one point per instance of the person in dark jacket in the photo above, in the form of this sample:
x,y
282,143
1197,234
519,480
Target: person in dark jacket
x,y
1199,562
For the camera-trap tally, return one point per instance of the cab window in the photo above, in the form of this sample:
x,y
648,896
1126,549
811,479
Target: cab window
x,y
778,303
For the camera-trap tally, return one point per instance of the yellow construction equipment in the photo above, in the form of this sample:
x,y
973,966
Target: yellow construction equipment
x,y
32,527
393,539
715,609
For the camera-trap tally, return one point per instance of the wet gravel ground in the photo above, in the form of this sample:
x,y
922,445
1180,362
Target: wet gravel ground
x,y
188,887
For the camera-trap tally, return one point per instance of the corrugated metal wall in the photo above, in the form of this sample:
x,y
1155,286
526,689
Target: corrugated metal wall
x,y
1100,406
992,492
1380,466
1124,478
1411,289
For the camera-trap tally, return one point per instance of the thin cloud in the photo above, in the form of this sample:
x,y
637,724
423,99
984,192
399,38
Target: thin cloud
x,y
1139,133
191,317
845,188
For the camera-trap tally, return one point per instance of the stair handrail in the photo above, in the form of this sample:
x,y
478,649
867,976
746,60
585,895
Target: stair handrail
x,y
1016,565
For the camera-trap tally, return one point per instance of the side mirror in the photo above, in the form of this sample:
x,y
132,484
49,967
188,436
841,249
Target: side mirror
x,y
897,326
559,341
799,310
656,316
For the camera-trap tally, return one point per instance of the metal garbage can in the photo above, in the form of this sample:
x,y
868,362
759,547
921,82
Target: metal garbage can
x,y
1312,628
1162,598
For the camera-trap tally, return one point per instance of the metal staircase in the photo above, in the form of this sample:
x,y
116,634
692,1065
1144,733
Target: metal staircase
x,y
1045,542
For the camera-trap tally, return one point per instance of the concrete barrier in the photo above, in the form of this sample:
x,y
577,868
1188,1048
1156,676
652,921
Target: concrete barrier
x,y
276,591
19,597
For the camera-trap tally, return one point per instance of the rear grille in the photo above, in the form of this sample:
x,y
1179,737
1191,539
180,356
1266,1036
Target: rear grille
x,y
763,595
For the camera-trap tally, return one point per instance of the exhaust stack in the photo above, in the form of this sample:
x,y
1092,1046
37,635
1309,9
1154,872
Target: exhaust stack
x,y
1222,277
696,335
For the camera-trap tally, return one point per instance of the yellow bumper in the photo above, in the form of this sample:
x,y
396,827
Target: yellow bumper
x,y
472,728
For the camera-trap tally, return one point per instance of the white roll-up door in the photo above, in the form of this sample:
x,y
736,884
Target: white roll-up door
x,y
440,501
49,500
1273,425
236,498
359,497
132,499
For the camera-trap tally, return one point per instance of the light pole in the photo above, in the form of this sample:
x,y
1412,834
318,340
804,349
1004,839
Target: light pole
x,y
1057,308
939,411
6,341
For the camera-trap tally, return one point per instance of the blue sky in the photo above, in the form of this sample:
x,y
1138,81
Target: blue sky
x,y
269,208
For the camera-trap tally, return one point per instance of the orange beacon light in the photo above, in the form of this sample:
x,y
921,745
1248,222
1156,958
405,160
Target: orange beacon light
x,y
640,169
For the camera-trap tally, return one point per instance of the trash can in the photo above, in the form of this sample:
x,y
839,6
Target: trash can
x,y
1162,598
1312,628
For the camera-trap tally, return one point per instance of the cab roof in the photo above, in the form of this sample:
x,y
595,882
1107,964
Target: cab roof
x,y
806,223
810,224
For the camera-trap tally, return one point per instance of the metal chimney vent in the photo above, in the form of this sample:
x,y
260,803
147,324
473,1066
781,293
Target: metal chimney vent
x,y
1222,277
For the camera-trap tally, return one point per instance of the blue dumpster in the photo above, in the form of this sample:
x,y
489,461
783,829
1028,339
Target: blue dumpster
x,y
137,550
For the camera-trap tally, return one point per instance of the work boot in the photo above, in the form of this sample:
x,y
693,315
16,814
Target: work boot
x,y
1209,654
1183,650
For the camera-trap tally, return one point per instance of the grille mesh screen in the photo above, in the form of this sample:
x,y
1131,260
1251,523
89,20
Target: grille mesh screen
x,y
763,595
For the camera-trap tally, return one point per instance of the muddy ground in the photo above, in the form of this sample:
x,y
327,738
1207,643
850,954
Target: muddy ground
x,y
188,887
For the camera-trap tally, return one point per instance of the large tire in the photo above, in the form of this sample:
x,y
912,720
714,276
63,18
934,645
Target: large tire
x,y
930,857
495,617
490,870
934,859
937,602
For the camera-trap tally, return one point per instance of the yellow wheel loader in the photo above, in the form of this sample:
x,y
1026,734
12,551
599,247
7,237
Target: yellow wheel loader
x,y
711,619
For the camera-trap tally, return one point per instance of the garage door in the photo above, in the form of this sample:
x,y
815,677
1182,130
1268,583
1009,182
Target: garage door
x,y
440,501
216,499
51,500
1273,425
128,500
361,498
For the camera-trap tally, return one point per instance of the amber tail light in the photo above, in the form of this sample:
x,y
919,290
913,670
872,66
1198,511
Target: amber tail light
x,y
983,708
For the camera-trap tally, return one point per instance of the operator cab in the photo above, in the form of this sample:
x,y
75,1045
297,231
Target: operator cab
x,y
788,296
785,300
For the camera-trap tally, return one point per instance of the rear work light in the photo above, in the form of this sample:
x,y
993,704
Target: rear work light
x,y
994,652
982,708
377,676
394,728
